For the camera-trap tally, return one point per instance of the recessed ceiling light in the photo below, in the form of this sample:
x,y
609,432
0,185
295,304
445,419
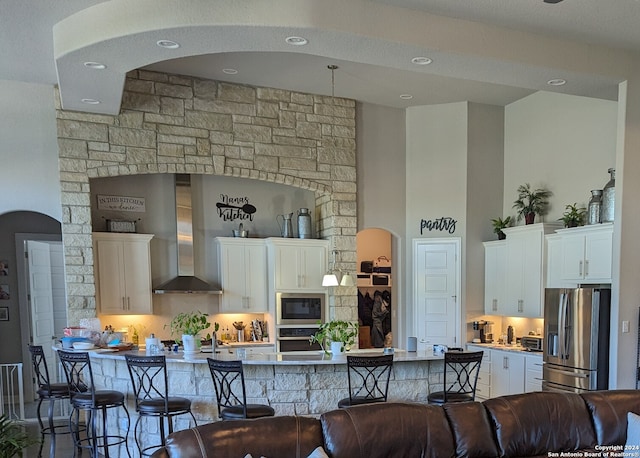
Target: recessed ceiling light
x,y
406,96
90,101
168,44
421,60
296,41
557,82
230,71
95,65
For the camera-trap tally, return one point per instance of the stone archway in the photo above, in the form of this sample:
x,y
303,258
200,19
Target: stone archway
x,y
178,124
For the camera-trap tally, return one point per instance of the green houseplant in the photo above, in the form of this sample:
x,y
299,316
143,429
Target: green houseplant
x,y
337,334
188,325
499,224
531,202
13,439
573,215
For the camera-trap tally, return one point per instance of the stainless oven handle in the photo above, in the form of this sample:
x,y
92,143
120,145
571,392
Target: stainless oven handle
x,y
569,373
294,338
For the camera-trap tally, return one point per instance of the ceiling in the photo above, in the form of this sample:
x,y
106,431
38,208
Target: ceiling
x,y
368,68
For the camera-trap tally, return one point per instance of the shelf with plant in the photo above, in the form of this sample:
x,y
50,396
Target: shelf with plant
x,y
499,224
573,216
531,202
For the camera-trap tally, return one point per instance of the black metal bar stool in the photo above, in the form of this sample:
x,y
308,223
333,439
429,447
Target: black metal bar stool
x,y
94,402
368,379
151,389
461,371
227,377
48,391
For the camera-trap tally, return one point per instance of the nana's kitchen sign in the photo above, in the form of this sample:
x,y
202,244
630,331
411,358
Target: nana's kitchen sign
x,y
121,203
442,224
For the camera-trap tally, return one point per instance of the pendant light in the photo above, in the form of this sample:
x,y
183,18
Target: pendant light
x,y
347,280
330,278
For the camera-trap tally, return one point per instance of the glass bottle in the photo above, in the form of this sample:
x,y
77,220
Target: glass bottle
x,y
609,198
595,207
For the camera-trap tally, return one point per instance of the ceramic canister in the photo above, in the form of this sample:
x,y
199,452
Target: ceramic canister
x,y
304,224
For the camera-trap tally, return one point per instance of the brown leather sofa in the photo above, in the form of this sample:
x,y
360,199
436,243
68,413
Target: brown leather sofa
x,y
523,425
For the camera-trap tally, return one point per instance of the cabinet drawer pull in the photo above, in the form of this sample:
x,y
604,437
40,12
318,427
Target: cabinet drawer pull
x,y
586,268
580,268
494,305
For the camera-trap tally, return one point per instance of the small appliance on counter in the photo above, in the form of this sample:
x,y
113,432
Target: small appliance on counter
x,y
532,343
485,331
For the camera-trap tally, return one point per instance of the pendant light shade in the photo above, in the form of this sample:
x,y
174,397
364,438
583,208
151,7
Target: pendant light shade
x,y
329,279
347,280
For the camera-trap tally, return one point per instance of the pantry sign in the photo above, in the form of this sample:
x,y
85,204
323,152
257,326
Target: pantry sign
x,y
121,203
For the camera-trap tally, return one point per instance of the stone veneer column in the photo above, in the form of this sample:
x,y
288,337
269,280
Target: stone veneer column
x,y
178,124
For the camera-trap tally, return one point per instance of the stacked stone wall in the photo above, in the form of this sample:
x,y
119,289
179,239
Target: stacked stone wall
x,y
177,124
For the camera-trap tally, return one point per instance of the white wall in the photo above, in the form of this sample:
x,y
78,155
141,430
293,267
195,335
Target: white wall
x,y
29,149
562,142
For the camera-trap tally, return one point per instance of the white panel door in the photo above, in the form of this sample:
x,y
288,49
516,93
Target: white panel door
x,y
436,292
41,297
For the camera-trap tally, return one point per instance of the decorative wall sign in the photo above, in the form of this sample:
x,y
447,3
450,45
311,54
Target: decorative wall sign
x,y
235,208
444,224
4,292
4,313
4,268
121,203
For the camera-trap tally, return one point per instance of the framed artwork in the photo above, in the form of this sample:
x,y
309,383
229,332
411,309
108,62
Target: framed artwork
x,y
4,268
4,292
4,313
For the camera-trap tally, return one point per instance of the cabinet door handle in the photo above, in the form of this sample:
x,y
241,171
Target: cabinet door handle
x,y
520,305
586,268
128,303
505,362
124,307
494,305
580,269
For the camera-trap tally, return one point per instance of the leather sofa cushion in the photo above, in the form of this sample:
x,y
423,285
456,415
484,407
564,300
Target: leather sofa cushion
x,y
471,428
609,410
387,430
272,437
533,423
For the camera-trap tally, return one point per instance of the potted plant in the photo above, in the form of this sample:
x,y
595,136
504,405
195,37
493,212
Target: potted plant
x,y
499,224
13,439
531,202
337,334
188,325
573,215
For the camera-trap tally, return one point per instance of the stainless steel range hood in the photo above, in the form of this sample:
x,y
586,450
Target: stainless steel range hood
x,y
186,281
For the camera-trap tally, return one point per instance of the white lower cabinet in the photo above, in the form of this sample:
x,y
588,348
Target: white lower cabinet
x,y
483,387
505,372
533,378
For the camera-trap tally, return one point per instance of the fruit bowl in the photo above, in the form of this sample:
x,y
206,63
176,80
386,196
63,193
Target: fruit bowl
x,y
83,345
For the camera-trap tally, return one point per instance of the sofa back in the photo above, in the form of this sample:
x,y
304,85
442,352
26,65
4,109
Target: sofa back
x,y
523,425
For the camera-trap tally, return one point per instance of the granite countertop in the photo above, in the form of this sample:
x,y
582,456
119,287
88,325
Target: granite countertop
x,y
288,358
503,347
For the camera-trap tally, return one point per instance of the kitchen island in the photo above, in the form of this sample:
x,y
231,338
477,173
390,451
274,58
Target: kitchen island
x,y
294,383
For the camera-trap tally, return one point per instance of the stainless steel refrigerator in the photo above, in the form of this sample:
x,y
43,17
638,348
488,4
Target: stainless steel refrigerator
x,y
576,339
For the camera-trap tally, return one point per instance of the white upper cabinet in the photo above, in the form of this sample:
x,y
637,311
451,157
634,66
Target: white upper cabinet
x,y
582,255
297,264
525,269
243,274
495,257
122,265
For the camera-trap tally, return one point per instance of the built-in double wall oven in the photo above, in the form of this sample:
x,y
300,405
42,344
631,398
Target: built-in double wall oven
x,y
297,317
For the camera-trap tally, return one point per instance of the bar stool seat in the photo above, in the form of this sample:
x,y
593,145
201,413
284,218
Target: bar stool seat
x,y
157,406
102,398
253,411
58,390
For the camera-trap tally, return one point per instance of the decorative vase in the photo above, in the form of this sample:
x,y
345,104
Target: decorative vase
x,y
595,207
529,218
336,349
609,198
189,344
